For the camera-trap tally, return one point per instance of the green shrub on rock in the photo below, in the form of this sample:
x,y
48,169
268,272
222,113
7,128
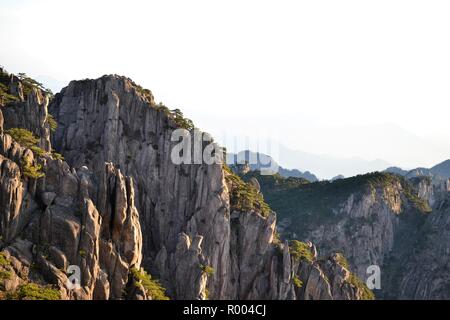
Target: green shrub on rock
x,y
207,270
366,293
300,251
33,291
152,287
27,139
354,280
32,171
52,123
297,282
3,261
5,275
243,196
23,137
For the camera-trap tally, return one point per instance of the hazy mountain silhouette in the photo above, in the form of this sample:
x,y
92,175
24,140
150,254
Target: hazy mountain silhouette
x,y
441,170
258,161
327,167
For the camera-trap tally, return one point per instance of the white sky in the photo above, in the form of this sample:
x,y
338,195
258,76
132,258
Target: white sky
x,y
344,78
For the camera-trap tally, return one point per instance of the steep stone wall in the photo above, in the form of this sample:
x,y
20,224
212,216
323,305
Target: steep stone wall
x,y
117,202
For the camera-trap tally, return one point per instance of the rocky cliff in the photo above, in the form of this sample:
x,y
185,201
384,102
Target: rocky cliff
x,y
398,224
94,187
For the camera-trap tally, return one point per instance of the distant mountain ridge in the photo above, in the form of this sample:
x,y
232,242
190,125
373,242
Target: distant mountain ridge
x,y
326,166
338,177
378,218
441,170
259,161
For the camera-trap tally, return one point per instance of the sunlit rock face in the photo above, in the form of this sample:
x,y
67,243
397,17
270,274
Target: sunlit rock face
x,y
116,203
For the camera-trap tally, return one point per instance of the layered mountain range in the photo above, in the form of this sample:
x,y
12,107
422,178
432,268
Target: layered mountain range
x,y
93,207
397,222
260,161
439,171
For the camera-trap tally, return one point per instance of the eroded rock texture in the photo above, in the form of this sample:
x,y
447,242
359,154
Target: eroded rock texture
x,y
118,203
399,224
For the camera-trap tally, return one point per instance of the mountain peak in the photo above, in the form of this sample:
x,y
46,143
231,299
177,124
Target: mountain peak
x,y
442,169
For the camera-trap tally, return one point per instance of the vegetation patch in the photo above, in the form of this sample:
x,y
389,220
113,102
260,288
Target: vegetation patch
x,y
28,84
297,282
57,156
152,287
24,137
243,196
177,116
420,204
33,291
52,122
354,280
5,96
300,251
38,151
32,171
366,293
27,139
5,275
342,260
180,120
310,204
4,266
207,270
147,94
82,253
3,261
162,108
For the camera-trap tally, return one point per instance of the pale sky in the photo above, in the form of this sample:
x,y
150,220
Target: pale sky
x,y
367,79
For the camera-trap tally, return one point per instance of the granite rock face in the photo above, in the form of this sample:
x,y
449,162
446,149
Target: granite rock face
x,y
52,223
118,203
365,230
30,114
400,226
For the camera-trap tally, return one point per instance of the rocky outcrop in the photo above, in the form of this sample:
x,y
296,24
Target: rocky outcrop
x,y
118,203
426,274
185,209
57,225
30,114
52,223
365,230
399,225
